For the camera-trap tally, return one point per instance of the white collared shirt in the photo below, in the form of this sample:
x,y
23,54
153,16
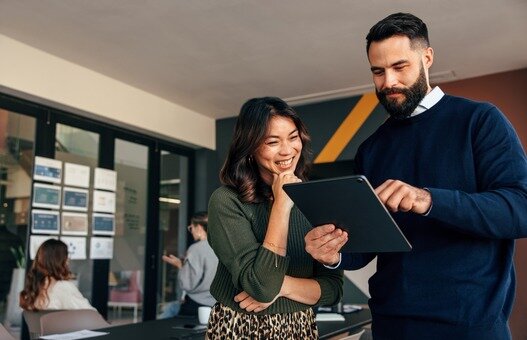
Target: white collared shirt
x,y
428,101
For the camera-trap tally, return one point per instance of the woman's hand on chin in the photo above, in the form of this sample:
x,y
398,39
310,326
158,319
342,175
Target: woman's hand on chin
x,y
278,192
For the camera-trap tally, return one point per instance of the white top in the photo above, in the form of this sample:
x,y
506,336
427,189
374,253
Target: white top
x,y
65,295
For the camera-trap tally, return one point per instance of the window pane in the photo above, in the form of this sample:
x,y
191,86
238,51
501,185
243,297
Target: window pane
x,y
17,139
172,227
127,274
79,146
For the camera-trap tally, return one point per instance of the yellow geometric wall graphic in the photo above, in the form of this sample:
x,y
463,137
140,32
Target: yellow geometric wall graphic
x,y
348,128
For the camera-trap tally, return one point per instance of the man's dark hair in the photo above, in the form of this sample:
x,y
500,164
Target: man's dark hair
x,y
200,218
399,24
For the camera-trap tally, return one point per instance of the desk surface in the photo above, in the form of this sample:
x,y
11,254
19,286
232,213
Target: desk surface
x,y
354,321
174,328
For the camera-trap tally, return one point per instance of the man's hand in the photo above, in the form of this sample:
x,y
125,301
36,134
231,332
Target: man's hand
x,y
323,243
399,196
251,305
175,261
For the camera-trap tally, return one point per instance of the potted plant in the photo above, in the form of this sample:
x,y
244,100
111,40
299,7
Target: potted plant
x,y
14,312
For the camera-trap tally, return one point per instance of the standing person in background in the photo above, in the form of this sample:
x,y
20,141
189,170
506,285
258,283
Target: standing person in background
x,y
266,284
196,271
454,174
48,282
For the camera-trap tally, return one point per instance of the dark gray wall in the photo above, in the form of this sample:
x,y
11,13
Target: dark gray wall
x,y
322,120
206,177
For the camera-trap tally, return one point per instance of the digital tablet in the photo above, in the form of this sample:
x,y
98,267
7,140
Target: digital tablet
x,y
352,205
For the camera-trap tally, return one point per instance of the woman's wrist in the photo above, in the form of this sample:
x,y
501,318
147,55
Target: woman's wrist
x,y
283,202
275,248
284,290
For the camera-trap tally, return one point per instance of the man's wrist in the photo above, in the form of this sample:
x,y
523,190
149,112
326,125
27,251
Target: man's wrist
x,y
431,202
336,264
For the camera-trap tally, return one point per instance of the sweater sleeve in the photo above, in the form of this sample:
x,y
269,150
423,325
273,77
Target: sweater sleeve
x,y
191,273
254,269
330,281
499,207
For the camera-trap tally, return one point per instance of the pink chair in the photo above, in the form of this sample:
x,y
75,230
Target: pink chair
x,y
130,297
4,334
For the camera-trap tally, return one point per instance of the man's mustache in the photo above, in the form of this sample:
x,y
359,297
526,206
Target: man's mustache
x,y
392,90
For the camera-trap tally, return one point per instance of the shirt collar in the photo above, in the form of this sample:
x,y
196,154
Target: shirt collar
x,y
428,101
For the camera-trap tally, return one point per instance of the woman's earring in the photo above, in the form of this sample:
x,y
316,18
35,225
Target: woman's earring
x,y
250,158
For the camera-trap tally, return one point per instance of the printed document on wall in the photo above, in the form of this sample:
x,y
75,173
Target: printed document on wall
x,y
101,248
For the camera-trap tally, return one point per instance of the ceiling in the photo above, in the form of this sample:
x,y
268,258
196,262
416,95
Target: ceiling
x,y
212,55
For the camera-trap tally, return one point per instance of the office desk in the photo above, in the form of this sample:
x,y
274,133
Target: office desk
x,y
174,328
354,322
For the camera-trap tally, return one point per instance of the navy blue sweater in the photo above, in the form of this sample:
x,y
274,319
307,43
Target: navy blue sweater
x,y
458,280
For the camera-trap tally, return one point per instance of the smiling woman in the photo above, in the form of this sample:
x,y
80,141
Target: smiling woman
x,y
264,124
280,150
265,283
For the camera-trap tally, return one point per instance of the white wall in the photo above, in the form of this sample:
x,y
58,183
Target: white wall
x,y
34,73
360,277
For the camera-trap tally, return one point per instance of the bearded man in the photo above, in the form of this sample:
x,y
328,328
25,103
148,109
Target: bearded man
x,y
454,176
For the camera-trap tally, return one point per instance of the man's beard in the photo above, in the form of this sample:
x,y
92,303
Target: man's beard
x,y
413,96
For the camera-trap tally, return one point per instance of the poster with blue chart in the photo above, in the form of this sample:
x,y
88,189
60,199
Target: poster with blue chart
x,y
75,199
46,196
45,222
47,170
103,224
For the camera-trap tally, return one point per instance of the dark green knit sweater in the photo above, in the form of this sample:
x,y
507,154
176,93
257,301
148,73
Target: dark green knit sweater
x,y
236,231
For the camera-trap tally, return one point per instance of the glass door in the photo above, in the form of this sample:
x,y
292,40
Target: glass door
x,y
78,147
152,196
173,193
126,281
17,142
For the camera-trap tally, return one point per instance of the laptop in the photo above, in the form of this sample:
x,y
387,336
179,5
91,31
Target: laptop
x,y
352,205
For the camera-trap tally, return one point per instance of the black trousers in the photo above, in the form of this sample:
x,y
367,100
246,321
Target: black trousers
x,y
189,307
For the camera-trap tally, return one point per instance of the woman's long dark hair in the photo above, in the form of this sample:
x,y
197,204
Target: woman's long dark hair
x,y
51,261
240,170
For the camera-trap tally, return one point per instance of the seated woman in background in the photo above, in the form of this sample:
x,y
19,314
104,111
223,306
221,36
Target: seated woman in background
x,y
48,284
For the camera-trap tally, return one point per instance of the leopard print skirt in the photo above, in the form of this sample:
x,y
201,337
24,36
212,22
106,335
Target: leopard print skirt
x,y
225,323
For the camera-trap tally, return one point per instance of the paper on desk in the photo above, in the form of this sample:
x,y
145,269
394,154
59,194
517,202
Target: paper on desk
x,y
329,317
346,308
74,335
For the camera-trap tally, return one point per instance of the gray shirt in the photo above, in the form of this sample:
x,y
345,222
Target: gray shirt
x,y
197,273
